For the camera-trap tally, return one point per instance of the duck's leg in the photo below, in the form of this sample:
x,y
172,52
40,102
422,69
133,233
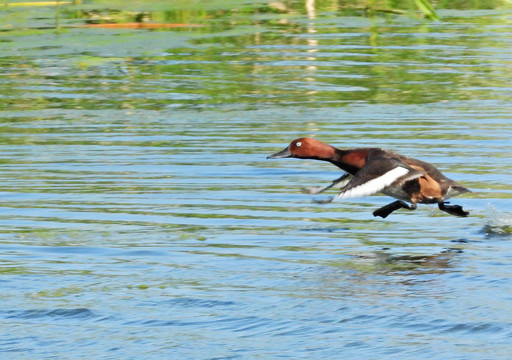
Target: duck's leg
x,y
337,184
452,209
389,208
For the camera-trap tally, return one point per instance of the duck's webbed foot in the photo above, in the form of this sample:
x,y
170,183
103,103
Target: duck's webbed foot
x,y
456,210
389,208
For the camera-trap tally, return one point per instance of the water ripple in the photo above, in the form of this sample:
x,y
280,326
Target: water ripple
x,y
55,314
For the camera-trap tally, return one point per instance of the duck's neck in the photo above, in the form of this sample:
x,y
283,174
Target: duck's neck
x,y
350,161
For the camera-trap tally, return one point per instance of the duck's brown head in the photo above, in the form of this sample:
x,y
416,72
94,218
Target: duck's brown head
x,y
305,148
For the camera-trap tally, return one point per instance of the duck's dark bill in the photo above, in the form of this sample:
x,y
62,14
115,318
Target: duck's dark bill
x,y
281,154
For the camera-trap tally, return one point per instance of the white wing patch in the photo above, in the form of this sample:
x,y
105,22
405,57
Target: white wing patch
x,y
375,185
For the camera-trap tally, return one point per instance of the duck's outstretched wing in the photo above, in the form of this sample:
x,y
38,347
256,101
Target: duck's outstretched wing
x,y
377,174
339,183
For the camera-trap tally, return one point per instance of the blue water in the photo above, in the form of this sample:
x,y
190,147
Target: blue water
x,y
141,219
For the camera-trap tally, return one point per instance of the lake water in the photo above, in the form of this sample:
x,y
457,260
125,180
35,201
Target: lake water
x,y
140,218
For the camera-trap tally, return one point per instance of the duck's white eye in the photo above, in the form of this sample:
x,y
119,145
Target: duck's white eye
x,y
298,143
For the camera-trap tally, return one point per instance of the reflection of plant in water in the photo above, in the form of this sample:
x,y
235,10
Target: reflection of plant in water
x,y
249,55
384,262
427,9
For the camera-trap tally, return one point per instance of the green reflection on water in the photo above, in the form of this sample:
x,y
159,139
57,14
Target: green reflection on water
x,y
239,59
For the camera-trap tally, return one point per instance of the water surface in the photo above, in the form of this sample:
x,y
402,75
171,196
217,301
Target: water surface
x,y
140,218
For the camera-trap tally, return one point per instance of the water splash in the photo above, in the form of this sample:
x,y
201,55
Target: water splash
x,y
498,224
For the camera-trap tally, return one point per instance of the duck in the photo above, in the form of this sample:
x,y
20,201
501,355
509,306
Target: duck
x,y
374,170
